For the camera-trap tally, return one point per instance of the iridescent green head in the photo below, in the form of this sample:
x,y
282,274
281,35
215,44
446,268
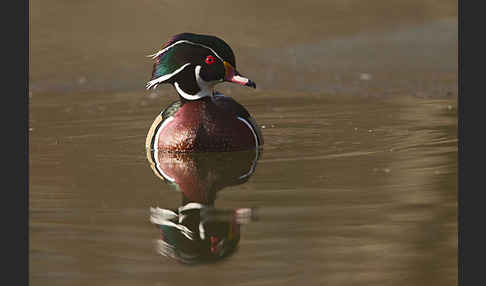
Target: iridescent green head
x,y
194,64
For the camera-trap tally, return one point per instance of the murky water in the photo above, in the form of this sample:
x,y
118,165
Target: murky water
x,y
356,183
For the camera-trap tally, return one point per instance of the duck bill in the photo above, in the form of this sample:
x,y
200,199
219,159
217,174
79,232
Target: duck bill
x,y
233,75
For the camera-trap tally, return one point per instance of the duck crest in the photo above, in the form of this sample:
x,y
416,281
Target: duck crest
x,y
184,52
217,45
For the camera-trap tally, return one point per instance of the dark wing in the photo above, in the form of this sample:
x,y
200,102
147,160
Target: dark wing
x,y
229,104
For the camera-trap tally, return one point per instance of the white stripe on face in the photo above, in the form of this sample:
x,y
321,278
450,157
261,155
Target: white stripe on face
x,y
165,77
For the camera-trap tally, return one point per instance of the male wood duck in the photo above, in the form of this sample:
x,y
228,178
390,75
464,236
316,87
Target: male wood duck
x,y
202,119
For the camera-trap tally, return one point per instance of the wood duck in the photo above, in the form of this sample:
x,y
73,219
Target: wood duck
x,y
202,119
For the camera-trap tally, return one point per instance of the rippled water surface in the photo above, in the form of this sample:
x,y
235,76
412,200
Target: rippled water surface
x,y
348,190
356,183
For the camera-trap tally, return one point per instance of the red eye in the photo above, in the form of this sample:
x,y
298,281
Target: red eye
x,y
209,60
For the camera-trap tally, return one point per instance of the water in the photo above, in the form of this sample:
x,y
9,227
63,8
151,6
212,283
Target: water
x,y
356,183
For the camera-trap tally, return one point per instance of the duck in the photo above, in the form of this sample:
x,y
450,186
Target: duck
x,y
202,119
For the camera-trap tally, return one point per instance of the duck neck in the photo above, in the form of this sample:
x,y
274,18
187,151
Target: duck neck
x,y
200,88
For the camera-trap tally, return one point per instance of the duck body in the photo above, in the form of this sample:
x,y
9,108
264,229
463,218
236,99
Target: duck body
x,y
202,119
213,123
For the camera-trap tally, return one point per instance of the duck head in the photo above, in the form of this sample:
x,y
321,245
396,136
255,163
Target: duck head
x,y
194,64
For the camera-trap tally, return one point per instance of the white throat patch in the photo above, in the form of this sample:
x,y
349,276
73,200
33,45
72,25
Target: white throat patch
x,y
206,88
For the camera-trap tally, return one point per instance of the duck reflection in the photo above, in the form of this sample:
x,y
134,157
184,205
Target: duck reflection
x,y
197,231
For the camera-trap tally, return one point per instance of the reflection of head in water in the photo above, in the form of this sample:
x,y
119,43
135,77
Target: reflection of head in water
x,y
193,234
197,232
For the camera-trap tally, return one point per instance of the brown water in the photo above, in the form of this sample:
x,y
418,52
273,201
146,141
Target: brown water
x,y
357,180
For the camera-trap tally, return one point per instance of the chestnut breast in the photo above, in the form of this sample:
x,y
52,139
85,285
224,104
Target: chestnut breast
x,y
204,125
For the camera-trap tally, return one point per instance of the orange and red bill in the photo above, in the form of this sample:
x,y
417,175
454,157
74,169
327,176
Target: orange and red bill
x,y
232,75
